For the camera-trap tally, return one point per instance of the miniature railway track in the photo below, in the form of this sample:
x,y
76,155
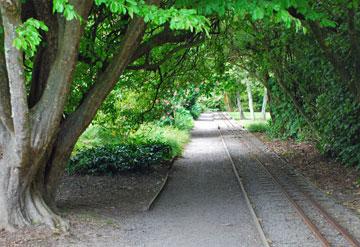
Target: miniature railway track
x,y
248,203
324,227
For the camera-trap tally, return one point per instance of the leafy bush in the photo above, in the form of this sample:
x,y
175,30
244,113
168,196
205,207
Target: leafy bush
x,y
258,127
183,119
110,160
335,116
195,111
102,152
166,135
95,136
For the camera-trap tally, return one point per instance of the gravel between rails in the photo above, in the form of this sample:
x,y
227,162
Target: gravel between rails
x,y
294,183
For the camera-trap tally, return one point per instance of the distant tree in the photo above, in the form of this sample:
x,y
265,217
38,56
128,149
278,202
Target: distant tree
x,y
263,107
250,98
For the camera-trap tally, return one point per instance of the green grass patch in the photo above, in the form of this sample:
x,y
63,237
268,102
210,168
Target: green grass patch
x,y
247,122
258,127
166,135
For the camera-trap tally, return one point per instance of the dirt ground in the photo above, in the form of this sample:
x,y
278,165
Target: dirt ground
x,y
93,205
330,176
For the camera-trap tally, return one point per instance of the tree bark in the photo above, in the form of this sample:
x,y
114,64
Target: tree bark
x,y
21,203
5,107
77,122
251,103
238,100
28,135
46,54
227,102
263,108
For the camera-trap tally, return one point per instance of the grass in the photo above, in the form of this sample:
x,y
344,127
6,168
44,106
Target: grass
x,y
101,151
257,125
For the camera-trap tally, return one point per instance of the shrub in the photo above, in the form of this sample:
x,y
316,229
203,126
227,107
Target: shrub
x,y
95,136
258,127
166,135
110,160
151,144
183,119
195,111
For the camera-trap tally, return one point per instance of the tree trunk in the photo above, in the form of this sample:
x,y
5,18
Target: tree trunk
x,y
227,102
27,136
238,100
263,108
21,197
36,143
251,104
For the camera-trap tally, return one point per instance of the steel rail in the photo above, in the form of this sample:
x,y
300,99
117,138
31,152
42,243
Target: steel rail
x,y
247,199
298,209
316,205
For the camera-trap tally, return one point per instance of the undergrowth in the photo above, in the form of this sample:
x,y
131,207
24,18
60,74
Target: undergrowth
x,y
258,127
102,151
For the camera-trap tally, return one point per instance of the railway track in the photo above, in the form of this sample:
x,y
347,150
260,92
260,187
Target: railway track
x,y
327,230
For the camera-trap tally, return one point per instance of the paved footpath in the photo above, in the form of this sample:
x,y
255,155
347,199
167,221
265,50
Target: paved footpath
x,y
202,204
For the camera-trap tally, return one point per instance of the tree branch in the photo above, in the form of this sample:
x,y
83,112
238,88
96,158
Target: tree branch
x,y
5,107
46,54
10,12
158,86
74,125
167,56
48,111
162,38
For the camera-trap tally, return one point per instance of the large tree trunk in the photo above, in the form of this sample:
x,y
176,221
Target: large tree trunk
x,y
28,135
251,103
21,198
238,101
263,108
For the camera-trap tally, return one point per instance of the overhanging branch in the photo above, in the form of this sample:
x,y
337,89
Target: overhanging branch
x,y
167,36
166,57
48,111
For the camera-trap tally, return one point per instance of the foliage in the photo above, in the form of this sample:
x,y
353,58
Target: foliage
x,y
258,127
310,84
64,7
166,135
28,36
183,119
341,128
196,110
110,160
100,152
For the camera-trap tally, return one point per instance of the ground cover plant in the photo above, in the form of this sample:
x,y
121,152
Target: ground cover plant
x,y
100,151
258,127
110,160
